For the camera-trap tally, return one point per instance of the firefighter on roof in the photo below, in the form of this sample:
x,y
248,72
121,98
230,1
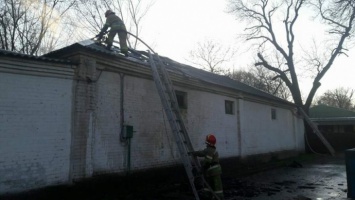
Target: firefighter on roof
x,y
212,168
117,27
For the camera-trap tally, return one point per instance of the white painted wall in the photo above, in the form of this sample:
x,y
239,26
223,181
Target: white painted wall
x,y
261,134
154,145
206,114
36,124
150,146
35,131
107,152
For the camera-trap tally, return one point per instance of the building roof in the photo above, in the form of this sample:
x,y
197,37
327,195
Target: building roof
x,y
186,70
37,58
324,111
323,114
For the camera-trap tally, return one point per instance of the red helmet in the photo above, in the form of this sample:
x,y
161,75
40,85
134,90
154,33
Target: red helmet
x,y
211,139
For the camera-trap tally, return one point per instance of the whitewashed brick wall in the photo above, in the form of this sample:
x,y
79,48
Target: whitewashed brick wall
x,y
107,150
261,134
206,114
35,131
55,130
150,145
154,145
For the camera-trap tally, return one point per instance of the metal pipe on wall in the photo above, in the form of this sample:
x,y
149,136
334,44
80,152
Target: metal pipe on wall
x,y
123,138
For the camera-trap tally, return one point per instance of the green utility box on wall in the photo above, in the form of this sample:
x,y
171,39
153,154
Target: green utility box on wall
x,y
350,171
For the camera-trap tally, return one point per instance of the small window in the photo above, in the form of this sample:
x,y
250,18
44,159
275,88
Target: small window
x,y
229,107
181,98
273,113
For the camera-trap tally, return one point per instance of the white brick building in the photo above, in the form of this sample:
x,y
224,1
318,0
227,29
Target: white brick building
x,y
61,117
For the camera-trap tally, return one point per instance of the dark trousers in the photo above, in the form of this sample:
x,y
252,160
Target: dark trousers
x,y
122,35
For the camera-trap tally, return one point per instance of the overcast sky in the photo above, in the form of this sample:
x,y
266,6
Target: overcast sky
x,y
173,28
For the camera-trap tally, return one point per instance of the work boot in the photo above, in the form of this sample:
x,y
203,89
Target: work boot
x,y
124,53
220,197
109,47
205,194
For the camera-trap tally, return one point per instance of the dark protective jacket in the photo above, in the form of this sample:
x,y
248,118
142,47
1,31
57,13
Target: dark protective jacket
x,y
211,164
114,22
212,169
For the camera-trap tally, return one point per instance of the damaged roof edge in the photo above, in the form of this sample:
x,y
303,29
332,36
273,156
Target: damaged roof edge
x,y
38,58
85,45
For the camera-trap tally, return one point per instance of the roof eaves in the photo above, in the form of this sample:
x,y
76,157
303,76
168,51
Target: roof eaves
x,y
30,57
184,69
334,119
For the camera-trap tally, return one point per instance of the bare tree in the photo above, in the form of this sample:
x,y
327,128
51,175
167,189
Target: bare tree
x,y
276,49
211,57
340,98
91,17
262,79
27,25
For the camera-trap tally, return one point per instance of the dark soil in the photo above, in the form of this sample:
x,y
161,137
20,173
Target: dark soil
x,y
171,183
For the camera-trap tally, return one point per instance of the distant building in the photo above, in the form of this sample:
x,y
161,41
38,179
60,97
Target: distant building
x,y
336,124
63,116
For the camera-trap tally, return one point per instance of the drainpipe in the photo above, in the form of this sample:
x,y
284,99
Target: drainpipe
x,y
126,133
129,156
122,107
122,135
239,131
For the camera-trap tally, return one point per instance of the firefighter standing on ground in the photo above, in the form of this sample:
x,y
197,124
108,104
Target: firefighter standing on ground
x,y
212,168
117,27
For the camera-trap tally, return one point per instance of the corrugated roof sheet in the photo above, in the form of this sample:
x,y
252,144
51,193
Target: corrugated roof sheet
x,y
89,45
187,70
39,58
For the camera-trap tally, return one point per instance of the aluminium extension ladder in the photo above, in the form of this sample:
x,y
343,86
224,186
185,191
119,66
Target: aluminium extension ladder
x,y
171,108
168,98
